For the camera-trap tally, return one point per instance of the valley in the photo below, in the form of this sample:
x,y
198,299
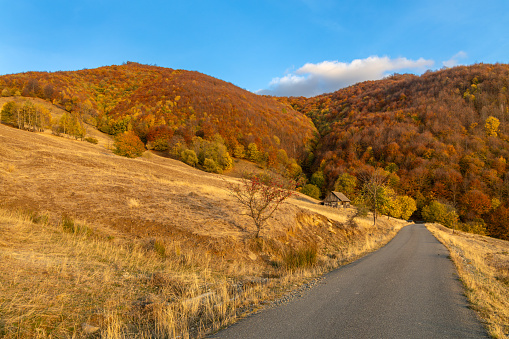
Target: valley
x,y
154,244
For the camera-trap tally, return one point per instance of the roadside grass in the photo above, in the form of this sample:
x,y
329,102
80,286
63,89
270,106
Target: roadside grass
x,y
71,279
483,266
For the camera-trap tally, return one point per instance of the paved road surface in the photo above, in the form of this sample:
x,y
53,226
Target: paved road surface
x,y
407,289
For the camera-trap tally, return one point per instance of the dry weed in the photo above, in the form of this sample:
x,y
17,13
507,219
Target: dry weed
x,y
9,168
483,266
133,203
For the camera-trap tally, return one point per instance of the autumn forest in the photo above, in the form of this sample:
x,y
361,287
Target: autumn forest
x,y
441,138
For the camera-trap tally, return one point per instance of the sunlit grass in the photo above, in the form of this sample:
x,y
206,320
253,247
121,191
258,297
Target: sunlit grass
x,y
57,280
483,266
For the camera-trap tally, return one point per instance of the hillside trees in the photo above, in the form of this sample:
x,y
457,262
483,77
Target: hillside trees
x,y
26,115
189,157
71,125
441,213
347,184
405,207
162,104
491,126
445,135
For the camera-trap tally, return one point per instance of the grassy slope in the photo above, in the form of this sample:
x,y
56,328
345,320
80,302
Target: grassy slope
x,y
149,236
483,266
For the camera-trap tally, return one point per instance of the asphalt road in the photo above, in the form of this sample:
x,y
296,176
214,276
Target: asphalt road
x,y
407,289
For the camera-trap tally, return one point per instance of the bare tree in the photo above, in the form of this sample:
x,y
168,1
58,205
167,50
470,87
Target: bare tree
x,y
262,196
373,183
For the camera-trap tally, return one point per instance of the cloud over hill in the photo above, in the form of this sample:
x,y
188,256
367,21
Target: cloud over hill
x,y
328,76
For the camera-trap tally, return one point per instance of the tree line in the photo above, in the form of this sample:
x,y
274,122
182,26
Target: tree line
x,y
30,116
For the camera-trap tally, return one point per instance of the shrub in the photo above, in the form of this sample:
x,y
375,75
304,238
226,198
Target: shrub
x,y
160,248
294,170
91,140
318,179
408,206
401,207
214,150
37,218
362,210
6,92
478,226
253,153
189,157
159,137
238,151
311,190
159,144
129,145
211,166
176,146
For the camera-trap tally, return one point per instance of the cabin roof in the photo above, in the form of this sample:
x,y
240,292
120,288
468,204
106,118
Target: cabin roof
x,y
341,196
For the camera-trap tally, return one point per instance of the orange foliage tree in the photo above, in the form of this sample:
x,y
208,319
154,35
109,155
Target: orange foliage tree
x,y
129,145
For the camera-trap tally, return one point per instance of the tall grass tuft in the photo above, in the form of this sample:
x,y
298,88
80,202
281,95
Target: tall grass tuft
x,y
69,225
301,257
160,248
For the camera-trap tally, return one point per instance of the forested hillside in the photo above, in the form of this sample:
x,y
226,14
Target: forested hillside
x,y
444,136
166,109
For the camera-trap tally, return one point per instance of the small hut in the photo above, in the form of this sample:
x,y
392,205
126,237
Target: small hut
x,y
336,199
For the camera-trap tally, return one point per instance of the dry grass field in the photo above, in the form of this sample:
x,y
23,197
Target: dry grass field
x,y
483,266
97,245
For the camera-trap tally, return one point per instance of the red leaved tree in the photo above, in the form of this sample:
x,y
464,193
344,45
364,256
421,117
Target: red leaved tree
x,y
261,195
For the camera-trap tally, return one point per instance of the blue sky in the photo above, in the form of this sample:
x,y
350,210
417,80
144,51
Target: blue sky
x,y
279,47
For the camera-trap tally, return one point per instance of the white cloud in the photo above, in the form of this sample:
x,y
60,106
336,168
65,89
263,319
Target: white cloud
x,y
454,60
328,76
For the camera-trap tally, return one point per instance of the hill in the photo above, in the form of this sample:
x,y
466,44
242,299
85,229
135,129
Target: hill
x,y
166,107
445,135
147,247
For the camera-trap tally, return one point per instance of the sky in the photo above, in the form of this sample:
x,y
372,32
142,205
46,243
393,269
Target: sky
x,y
275,47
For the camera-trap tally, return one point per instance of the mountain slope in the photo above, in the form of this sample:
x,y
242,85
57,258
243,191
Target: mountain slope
x,y
186,103
433,131
146,246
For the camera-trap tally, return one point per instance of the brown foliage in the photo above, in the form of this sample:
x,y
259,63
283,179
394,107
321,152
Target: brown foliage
x,y
432,127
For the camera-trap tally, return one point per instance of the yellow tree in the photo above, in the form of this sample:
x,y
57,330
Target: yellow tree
x,y
491,126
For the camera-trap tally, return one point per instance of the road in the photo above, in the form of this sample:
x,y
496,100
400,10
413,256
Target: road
x,y
407,289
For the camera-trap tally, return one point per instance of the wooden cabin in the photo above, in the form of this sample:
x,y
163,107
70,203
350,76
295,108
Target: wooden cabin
x,y
336,199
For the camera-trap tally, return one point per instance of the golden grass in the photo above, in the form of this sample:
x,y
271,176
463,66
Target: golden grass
x,y
57,283
60,281
146,247
483,266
